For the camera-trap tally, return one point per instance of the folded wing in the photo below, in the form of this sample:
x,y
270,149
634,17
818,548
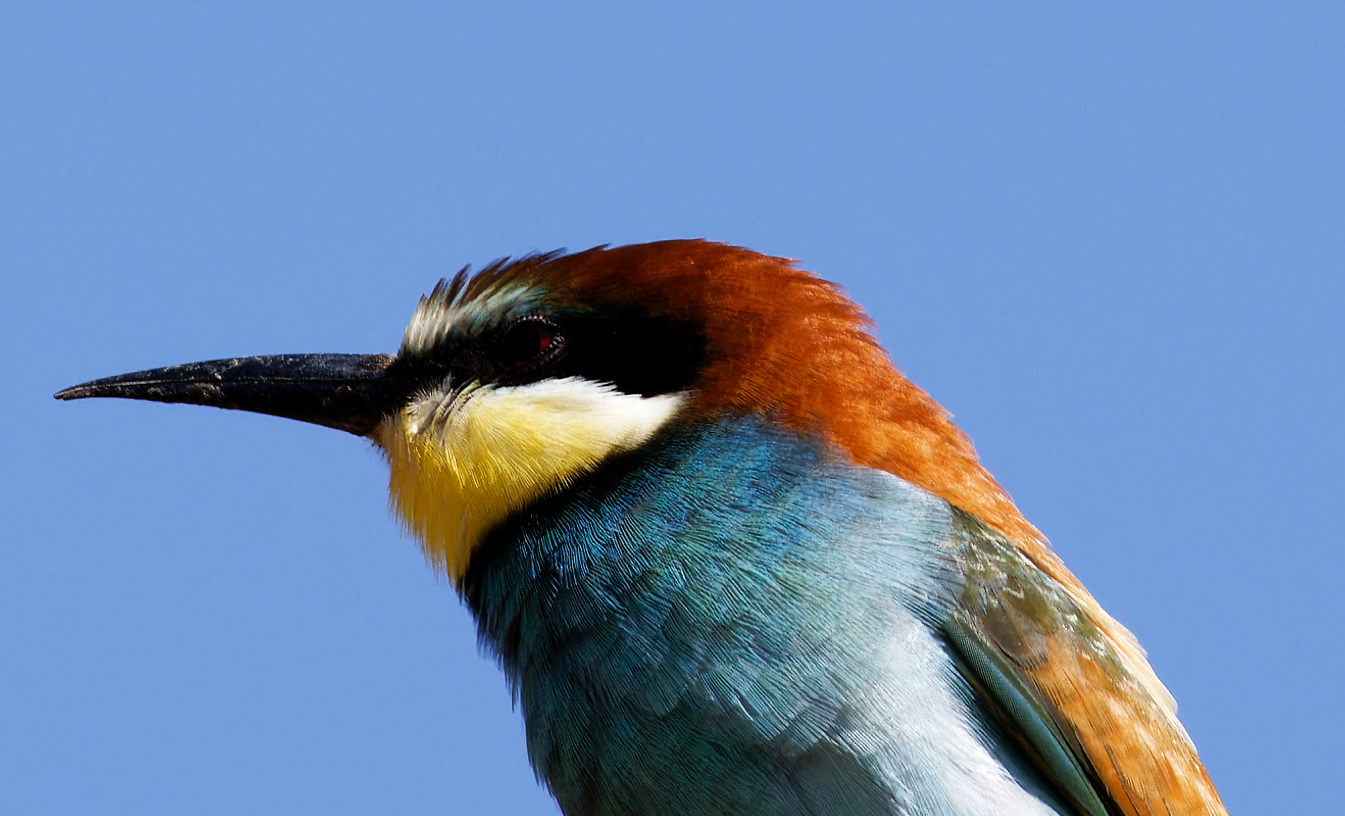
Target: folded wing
x,y
1074,697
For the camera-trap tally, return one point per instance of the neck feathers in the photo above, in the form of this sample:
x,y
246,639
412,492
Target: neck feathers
x,y
784,342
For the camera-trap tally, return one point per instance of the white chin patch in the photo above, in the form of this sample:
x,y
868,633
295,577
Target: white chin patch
x,y
460,464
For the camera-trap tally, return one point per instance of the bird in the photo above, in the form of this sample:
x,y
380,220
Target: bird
x,y
729,559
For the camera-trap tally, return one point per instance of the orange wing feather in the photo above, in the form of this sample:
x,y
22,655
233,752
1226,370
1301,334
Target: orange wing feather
x,y
783,341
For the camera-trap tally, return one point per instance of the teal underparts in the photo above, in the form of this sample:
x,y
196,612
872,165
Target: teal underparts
x,y
700,628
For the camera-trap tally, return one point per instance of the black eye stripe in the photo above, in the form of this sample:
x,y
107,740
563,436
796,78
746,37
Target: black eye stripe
x,y
638,355
635,354
529,342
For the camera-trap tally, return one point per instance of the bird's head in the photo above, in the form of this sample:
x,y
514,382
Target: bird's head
x,y
511,383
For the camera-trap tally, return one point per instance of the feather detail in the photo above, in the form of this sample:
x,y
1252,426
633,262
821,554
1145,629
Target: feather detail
x,y
783,342
1016,627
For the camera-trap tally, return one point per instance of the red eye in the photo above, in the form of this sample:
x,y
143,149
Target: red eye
x,y
527,341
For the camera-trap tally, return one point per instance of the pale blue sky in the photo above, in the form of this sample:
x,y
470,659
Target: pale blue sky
x,y
1112,242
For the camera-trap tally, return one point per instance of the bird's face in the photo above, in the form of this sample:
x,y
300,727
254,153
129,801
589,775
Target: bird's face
x,y
508,385
511,383
520,393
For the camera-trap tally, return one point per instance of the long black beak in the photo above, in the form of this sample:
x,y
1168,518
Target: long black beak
x,y
349,392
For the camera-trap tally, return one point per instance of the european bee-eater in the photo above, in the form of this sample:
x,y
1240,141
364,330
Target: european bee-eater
x,y
730,560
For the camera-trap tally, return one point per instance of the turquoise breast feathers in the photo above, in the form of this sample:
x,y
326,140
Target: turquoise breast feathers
x,y
739,607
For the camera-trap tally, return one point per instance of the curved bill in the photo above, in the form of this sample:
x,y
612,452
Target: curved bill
x,y
349,392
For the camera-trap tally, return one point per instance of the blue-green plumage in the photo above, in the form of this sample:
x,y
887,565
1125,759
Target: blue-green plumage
x,y
765,575
736,605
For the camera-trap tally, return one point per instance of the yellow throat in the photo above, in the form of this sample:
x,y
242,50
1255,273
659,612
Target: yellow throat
x,y
463,460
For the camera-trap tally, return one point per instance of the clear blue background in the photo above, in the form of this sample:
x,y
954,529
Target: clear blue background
x,y
1112,242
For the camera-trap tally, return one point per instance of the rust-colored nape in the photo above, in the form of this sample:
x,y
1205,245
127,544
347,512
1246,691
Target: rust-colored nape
x,y
782,340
